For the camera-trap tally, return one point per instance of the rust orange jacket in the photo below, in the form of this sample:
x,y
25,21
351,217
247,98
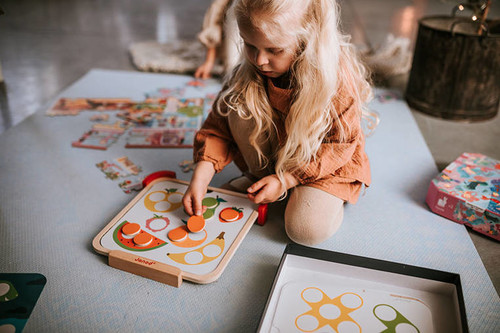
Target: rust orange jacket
x,y
340,169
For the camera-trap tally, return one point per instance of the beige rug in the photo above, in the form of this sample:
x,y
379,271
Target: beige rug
x,y
392,57
180,57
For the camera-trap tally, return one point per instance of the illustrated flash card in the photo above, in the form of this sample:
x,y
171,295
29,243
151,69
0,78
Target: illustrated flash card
x,y
19,293
317,290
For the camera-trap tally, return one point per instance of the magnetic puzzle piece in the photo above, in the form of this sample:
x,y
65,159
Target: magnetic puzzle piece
x,y
211,204
178,234
230,214
129,238
143,239
187,239
188,235
131,229
196,223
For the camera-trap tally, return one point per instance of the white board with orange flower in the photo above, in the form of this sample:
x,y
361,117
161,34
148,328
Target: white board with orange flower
x,y
150,236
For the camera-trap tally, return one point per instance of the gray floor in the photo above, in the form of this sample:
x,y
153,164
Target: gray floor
x,y
47,45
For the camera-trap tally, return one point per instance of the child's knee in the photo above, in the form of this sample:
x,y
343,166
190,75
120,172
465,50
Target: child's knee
x,y
305,235
312,215
310,231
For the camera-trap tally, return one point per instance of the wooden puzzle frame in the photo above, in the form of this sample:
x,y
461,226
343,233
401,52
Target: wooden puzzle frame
x,y
160,271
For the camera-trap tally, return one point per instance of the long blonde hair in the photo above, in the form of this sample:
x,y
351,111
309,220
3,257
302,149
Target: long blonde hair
x,y
325,61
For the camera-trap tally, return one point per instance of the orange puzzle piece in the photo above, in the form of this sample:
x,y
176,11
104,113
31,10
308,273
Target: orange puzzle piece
x,y
178,234
196,223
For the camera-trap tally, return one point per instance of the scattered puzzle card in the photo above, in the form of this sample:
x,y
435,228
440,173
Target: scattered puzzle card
x,y
100,117
152,236
97,139
119,167
325,307
322,291
19,293
165,118
161,138
166,92
131,184
73,106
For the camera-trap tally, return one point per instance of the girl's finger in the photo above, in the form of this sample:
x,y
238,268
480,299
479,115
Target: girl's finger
x,y
260,197
188,205
198,207
255,187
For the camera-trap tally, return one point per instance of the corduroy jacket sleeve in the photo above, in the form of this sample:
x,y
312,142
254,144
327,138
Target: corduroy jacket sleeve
x,y
214,142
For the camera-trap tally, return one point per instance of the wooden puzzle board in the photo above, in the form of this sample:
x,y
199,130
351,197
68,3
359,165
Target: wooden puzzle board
x,y
311,295
158,209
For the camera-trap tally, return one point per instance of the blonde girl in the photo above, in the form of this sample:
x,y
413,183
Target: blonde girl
x,y
289,117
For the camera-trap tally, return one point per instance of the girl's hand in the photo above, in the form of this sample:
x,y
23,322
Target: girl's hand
x,y
205,69
270,189
197,189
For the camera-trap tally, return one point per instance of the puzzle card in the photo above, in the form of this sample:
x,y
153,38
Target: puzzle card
x,y
160,137
19,293
97,139
323,291
119,167
311,307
